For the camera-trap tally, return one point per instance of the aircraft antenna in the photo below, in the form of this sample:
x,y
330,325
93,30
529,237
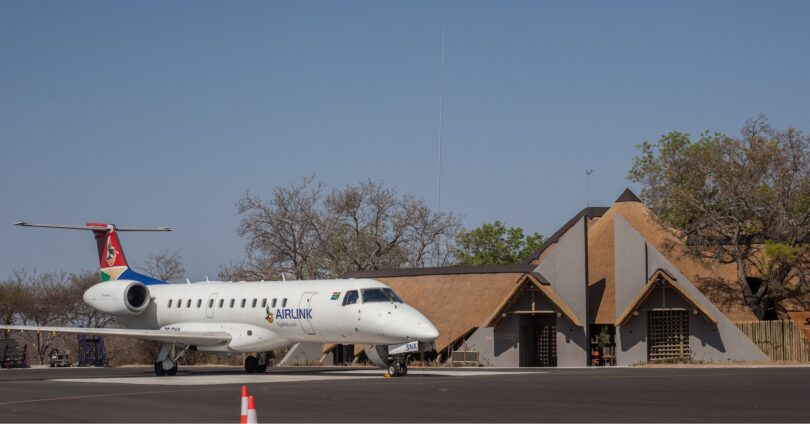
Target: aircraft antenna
x,y
440,136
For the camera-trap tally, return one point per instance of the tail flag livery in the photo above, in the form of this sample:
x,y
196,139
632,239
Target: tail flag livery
x,y
112,262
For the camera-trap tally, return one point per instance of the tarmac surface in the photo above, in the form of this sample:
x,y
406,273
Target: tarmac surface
x,y
206,394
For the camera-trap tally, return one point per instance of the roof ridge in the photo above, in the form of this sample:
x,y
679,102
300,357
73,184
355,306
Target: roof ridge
x,y
628,196
446,270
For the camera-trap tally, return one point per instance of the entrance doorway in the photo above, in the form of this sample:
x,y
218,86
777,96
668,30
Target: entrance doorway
x,y
668,335
538,340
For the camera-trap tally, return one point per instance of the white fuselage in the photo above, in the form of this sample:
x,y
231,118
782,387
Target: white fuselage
x,y
262,316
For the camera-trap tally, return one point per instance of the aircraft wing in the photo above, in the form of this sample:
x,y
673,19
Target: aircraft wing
x,y
197,338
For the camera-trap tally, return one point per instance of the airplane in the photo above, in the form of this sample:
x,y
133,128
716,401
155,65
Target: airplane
x,y
246,317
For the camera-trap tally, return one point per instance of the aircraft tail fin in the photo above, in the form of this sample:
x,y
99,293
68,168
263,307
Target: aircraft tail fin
x,y
112,262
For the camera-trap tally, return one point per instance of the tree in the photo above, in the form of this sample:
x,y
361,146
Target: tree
x,y
308,230
14,297
495,244
46,308
166,266
742,200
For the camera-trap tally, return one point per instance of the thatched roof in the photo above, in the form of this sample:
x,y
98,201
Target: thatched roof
x,y
460,299
456,303
716,281
662,278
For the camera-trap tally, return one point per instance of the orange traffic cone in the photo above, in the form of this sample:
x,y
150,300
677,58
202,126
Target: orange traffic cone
x,y
243,418
251,417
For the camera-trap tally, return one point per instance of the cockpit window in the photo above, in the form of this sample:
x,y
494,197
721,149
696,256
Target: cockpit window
x,y
350,298
380,295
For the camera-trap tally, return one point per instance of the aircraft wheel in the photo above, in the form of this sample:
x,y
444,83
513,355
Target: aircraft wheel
x,y
172,370
404,370
159,371
392,370
251,364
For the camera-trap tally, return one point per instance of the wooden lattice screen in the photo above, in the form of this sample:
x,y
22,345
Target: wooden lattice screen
x,y
546,345
668,335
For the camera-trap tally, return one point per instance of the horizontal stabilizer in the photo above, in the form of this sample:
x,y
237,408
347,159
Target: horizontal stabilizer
x,y
88,227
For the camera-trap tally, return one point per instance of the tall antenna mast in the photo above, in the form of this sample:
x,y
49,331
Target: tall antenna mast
x,y
441,126
440,136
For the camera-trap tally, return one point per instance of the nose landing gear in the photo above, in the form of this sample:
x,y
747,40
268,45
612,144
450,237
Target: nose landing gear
x,y
398,366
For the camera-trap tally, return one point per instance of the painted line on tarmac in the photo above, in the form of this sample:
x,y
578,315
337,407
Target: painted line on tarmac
x,y
458,373
197,380
202,380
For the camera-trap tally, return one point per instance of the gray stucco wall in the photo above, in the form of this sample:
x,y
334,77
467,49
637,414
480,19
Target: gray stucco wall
x,y
482,340
506,347
636,261
499,346
565,268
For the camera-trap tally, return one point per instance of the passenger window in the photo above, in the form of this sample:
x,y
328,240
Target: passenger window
x,y
199,303
264,303
284,303
351,298
233,302
179,303
170,304
188,303
211,303
274,303
253,304
242,305
221,303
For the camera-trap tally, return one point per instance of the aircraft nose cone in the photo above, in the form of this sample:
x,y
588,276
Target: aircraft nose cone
x,y
426,332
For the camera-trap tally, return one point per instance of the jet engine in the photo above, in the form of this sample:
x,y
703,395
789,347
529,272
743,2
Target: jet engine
x,y
118,297
377,354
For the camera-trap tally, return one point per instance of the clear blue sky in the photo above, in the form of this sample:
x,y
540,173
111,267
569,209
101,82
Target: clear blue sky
x,y
164,113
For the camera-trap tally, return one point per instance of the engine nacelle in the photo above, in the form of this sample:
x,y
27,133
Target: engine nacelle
x,y
118,297
377,354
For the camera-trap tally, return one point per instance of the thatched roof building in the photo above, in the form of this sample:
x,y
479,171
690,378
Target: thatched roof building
x,y
611,286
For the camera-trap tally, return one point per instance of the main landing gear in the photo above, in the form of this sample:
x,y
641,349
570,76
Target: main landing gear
x,y
257,364
398,366
166,363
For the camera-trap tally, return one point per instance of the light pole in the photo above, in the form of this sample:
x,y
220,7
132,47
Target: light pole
x,y
588,172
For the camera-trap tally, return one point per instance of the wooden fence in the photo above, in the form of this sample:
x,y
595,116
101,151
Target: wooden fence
x,y
780,340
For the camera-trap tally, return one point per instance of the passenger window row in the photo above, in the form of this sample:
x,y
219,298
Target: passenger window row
x,y
231,304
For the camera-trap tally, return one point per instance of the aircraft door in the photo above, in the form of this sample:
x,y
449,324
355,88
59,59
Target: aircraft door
x,y
305,313
209,307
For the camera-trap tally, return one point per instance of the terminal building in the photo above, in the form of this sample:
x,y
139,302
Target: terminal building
x,y
610,287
